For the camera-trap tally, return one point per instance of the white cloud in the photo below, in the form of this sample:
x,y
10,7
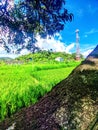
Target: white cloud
x,y
54,44
3,53
24,52
2,50
87,52
91,31
11,55
91,9
68,48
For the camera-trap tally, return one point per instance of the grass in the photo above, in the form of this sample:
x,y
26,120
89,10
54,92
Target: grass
x,y
22,85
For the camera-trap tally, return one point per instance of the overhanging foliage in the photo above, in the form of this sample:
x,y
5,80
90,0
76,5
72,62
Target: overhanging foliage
x,y
43,16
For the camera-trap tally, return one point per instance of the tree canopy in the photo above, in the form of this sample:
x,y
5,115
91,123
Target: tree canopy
x,y
21,20
39,16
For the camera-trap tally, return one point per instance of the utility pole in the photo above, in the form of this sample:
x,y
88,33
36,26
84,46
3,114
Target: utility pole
x,y
77,45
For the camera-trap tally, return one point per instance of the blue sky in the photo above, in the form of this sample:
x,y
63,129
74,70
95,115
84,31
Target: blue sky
x,y
86,20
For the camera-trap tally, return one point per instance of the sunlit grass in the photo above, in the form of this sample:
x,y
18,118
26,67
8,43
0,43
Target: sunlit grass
x,y
22,85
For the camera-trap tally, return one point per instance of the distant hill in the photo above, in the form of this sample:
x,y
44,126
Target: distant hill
x,y
5,58
47,56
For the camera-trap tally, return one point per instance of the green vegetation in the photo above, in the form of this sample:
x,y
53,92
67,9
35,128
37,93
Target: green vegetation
x,y
47,56
22,85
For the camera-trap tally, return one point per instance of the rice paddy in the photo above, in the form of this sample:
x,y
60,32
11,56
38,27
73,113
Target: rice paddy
x,y
23,85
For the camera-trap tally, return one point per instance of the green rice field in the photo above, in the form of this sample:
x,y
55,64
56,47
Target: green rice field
x,y
23,85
